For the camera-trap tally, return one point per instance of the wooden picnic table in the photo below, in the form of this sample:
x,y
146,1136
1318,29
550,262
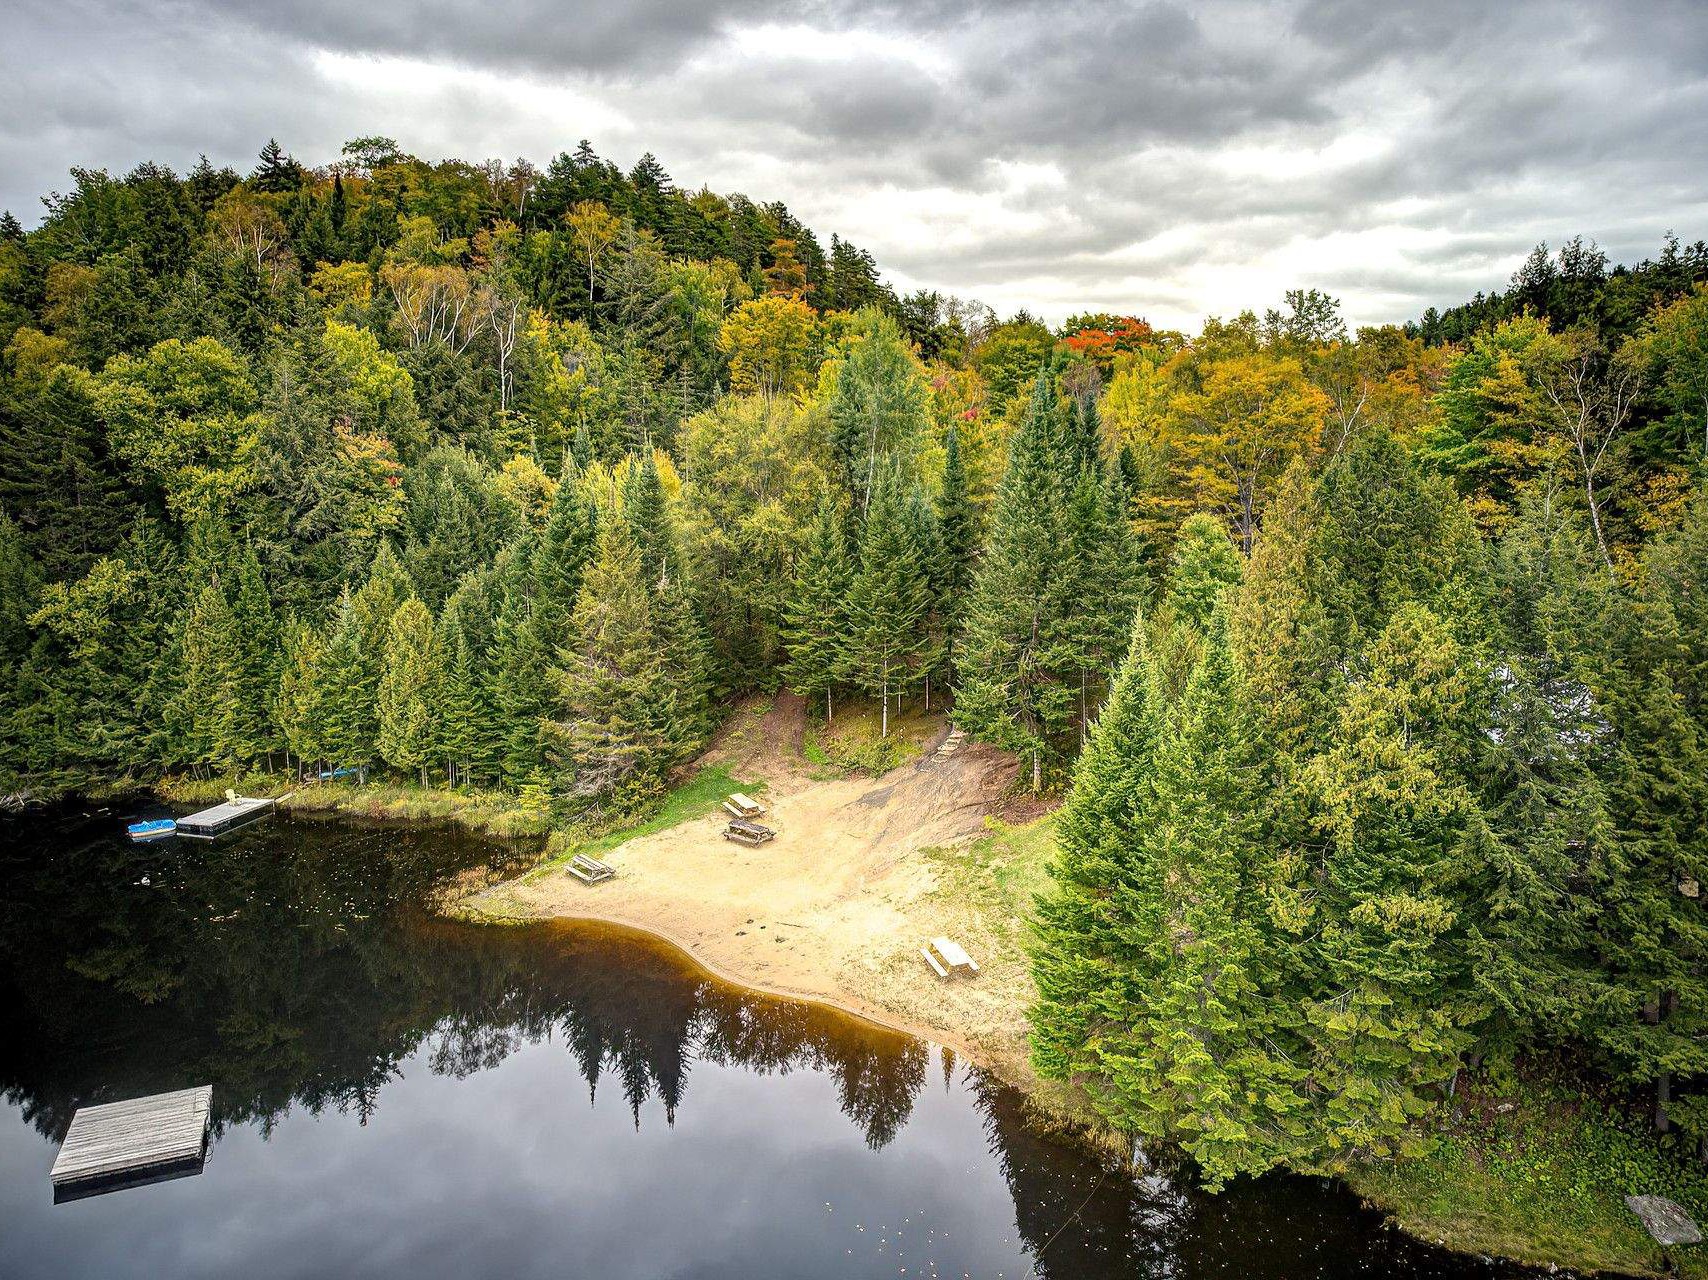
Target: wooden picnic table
x,y
953,957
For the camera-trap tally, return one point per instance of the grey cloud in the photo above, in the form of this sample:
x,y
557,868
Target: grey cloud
x,y
1491,126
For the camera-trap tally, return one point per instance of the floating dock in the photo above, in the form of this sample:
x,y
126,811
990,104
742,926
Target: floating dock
x,y
235,812
129,1144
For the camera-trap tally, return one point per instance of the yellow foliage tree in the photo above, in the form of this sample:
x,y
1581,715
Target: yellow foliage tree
x,y
1231,425
769,343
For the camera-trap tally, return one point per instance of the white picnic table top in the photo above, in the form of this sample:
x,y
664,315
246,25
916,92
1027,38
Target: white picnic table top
x,y
952,952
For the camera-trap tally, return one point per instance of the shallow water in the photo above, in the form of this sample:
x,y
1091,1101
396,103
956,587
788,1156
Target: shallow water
x,y
399,1095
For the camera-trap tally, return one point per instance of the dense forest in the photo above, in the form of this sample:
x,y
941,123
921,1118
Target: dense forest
x,y
1377,662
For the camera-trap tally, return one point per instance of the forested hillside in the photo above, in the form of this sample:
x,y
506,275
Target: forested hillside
x,y
1388,651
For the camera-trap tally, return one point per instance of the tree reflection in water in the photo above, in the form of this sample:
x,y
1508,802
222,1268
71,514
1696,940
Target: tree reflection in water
x,y
293,965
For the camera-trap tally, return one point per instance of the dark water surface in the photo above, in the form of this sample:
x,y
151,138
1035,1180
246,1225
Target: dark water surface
x,y
397,1095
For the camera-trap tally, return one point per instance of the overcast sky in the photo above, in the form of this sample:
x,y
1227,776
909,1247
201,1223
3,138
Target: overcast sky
x,y
1170,159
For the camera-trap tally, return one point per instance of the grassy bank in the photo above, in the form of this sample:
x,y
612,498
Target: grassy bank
x,y
699,795
1539,1173
493,813
854,739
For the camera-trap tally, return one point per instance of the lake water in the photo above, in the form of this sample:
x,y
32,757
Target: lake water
x,y
396,1095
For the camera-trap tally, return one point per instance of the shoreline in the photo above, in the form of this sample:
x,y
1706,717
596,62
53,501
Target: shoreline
x,y
845,1003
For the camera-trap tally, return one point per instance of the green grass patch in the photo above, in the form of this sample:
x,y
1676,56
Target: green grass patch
x,y
855,741
1542,1181
997,876
699,795
494,813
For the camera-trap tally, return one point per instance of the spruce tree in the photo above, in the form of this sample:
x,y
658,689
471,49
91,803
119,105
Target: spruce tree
x,y
460,714
1078,951
879,406
561,555
1009,694
1198,1052
408,694
300,707
250,662
888,599
675,614
958,534
613,733
1205,563
357,657
1650,938
1541,786
815,613
1404,842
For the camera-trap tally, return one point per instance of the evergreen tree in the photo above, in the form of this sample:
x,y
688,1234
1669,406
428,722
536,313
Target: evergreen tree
x,y
207,636
249,666
59,481
408,694
1651,939
879,406
301,709
1541,788
1078,951
461,712
1204,565
814,614
957,531
357,655
1203,1056
888,599
613,733
1009,693
561,556
1394,1001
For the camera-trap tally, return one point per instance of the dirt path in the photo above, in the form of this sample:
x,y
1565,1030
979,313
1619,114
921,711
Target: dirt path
x,y
834,909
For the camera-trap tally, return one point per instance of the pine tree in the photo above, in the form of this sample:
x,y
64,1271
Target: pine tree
x,y
888,599
1200,1055
250,666
613,731
1204,565
958,533
408,694
814,614
1404,838
1009,694
1077,952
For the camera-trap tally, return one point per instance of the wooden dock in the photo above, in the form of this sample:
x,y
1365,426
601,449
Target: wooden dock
x,y
235,812
127,1144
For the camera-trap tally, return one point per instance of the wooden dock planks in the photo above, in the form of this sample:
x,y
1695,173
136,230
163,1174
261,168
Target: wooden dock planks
x,y
137,1136
222,817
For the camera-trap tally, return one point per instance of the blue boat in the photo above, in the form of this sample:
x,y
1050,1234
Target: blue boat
x,y
152,830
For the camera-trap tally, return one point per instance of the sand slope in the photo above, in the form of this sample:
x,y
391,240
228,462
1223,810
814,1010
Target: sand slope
x,y
837,906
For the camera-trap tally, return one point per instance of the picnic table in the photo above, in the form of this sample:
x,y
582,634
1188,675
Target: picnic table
x,y
590,870
741,806
744,831
950,957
